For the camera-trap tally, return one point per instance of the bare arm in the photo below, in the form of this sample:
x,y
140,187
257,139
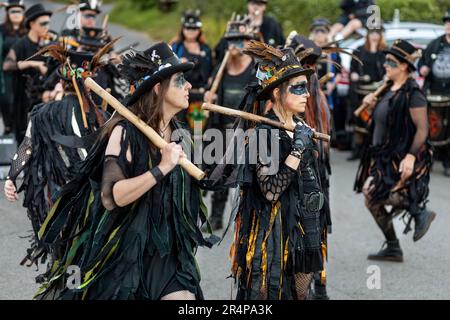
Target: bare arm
x,y
117,191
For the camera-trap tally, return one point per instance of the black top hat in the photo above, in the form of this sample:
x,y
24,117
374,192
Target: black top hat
x,y
93,5
34,12
191,20
405,52
144,69
260,1
93,37
320,23
447,16
78,64
15,3
239,28
305,49
274,66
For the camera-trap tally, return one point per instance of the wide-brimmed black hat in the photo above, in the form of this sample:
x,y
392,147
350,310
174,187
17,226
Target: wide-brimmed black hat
x,y
239,28
320,23
191,19
274,66
15,3
34,12
446,17
93,37
305,49
144,69
405,52
92,5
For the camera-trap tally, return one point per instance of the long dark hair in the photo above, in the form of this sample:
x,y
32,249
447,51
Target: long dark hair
x,y
149,108
9,28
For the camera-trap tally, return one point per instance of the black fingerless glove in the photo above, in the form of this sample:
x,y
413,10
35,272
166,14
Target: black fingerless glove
x,y
303,136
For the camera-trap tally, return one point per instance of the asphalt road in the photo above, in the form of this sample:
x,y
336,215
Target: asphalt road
x,y
425,273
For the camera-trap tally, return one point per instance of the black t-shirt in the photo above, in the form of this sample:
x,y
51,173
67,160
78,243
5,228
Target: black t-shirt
x,y
372,64
440,83
232,90
30,79
380,115
272,32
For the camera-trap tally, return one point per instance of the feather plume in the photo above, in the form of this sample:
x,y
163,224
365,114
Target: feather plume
x,y
136,65
56,51
97,59
328,50
262,51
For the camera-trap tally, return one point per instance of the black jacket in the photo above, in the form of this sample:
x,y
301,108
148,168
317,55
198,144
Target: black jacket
x,y
428,58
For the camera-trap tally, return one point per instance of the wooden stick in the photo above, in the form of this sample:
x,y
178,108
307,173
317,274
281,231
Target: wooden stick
x,y
377,93
326,78
151,134
104,102
80,101
256,118
105,22
219,76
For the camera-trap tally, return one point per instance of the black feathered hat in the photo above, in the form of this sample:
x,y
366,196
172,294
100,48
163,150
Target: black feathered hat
x,y
15,3
144,69
191,19
405,52
92,5
274,66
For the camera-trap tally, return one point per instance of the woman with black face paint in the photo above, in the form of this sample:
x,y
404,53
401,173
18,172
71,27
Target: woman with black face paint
x,y
277,245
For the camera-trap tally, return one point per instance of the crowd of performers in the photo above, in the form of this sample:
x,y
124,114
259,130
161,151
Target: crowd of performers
x,y
103,197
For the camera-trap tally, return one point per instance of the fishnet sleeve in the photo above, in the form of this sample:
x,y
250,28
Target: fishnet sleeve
x,y
112,173
272,186
21,157
10,63
420,119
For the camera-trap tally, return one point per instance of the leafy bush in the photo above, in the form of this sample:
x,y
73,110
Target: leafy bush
x,y
293,14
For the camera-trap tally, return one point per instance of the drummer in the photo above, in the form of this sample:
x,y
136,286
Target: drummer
x,y
435,67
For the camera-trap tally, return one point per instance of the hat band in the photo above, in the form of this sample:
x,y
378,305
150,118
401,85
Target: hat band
x,y
279,74
409,57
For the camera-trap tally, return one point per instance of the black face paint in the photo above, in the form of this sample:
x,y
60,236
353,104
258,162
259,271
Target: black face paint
x,y
180,81
391,63
299,89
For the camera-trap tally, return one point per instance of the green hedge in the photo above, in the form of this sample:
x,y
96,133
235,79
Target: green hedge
x,y
293,14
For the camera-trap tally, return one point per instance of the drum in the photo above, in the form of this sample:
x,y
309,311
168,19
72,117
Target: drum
x,y
439,118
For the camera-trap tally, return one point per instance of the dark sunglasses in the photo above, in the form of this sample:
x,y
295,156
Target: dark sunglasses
x,y
44,23
89,16
15,12
299,89
192,28
391,63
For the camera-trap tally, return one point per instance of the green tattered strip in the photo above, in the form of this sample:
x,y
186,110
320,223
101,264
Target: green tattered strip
x,y
91,272
48,219
90,201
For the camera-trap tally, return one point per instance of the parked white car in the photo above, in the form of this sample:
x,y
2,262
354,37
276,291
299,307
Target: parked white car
x,y
419,34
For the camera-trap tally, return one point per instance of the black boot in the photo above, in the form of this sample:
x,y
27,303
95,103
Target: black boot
x,y
320,292
422,222
392,252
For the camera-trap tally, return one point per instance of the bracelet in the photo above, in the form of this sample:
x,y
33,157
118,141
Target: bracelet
x,y
157,174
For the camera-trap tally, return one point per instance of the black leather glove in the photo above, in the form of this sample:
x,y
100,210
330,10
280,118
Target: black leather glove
x,y
303,136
